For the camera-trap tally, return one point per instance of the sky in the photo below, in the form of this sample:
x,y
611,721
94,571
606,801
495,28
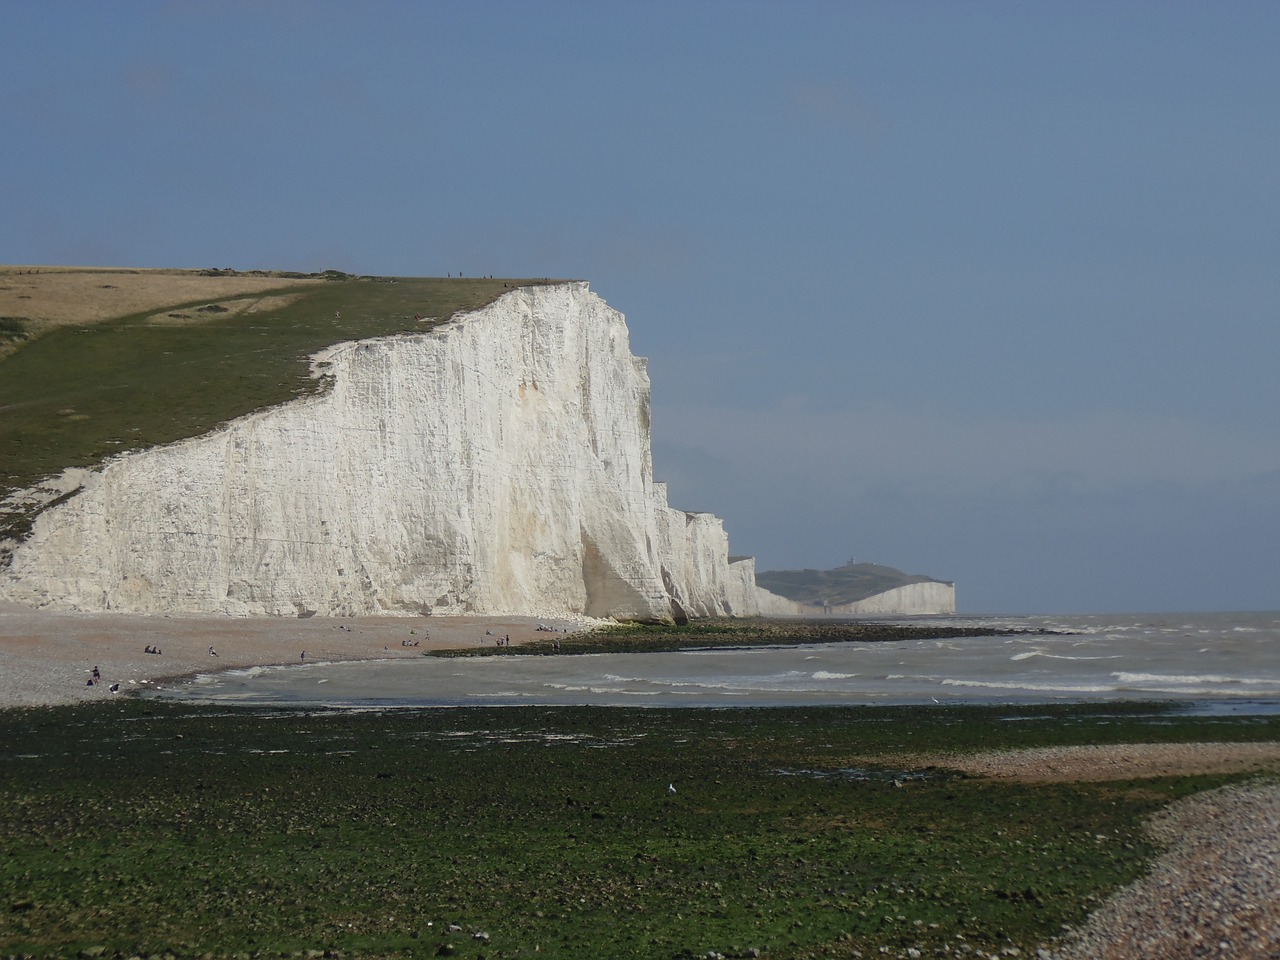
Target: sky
x,y
984,291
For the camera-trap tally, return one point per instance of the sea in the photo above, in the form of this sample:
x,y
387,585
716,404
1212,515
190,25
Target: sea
x,y
1214,663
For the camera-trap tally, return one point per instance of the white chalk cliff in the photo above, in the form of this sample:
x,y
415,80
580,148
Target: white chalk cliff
x,y
930,597
498,464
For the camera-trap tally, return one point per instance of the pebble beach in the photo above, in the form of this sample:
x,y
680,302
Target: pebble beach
x,y
1214,893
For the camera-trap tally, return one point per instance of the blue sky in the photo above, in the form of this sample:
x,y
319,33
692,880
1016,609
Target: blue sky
x,y
986,291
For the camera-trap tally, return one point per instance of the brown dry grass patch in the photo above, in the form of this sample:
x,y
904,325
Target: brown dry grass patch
x,y
46,298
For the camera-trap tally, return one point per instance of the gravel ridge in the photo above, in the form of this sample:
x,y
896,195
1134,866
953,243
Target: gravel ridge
x,y
1215,892
1113,761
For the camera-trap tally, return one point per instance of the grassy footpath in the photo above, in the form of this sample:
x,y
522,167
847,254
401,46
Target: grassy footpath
x,y
148,829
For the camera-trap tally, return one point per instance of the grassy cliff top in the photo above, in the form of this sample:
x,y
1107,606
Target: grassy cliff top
x,y
97,361
846,584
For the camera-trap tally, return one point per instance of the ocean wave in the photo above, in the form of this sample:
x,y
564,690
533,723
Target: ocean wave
x,y
1188,680
246,672
1020,685
582,688
828,675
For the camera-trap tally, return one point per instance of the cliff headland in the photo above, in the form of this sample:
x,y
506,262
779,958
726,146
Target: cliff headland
x,y
274,444
495,461
852,590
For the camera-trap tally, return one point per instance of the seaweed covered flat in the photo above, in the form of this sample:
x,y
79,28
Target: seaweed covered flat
x,y
735,632
140,828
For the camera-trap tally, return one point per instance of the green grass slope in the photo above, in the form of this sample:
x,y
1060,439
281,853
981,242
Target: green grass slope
x,y
846,584
79,394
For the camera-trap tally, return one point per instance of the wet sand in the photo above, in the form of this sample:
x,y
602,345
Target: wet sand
x,y
46,658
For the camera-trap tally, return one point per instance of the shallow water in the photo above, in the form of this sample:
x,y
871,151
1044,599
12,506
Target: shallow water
x,y
1227,662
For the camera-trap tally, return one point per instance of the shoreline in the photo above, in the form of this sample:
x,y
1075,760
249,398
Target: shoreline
x,y
47,657
1212,844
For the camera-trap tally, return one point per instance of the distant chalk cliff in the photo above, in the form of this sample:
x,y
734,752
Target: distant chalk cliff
x,y
499,464
911,599
854,589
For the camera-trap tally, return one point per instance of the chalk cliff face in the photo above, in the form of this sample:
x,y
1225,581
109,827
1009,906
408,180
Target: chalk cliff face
x,y
932,597
498,464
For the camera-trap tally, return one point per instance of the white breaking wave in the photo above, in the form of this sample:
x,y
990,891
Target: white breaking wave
x,y
602,691
1187,680
1019,685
